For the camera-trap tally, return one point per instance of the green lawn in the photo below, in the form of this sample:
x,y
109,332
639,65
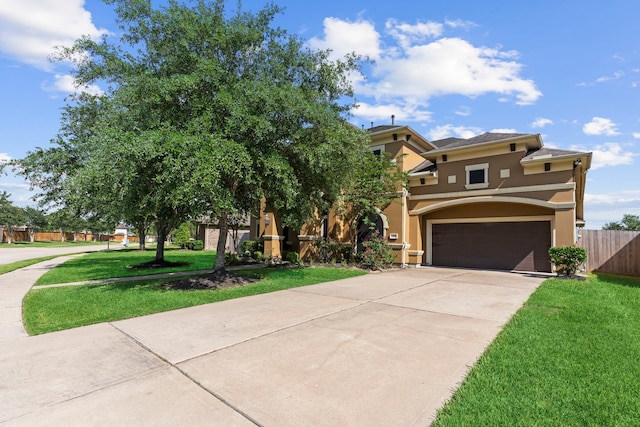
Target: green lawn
x,y
105,265
7,268
569,357
52,309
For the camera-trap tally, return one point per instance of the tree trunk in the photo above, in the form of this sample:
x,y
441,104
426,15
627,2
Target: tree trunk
x,y
163,231
32,235
63,238
9,235
142,236
218,266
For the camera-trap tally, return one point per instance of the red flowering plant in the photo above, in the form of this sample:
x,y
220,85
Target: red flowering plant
x,y
377,253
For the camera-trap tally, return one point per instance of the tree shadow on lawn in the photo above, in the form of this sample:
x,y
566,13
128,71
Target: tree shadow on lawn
x,y
630,281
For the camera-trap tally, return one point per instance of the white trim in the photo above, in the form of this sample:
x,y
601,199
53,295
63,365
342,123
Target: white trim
x,y
472,168
528,189
494,199
399,246
380,147
430,222
308,237
272,237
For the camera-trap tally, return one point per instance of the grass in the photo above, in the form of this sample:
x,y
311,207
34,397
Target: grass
x,y
52,309
7,268
570,357
105,265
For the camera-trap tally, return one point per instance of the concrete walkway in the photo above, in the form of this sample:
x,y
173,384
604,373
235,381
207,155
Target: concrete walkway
x,y
376,350
9,255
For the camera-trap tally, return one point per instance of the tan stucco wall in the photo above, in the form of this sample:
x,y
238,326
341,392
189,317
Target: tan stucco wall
x,y
498,163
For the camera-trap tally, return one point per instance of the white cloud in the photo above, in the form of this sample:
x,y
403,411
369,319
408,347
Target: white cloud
x,y
450,66
615,76
408,34
459,23
345,37
66,83
600,126
503,130
30,30
608,154
446,131
382,112
413,70
636,135
613,198
4,158
463,111
541,122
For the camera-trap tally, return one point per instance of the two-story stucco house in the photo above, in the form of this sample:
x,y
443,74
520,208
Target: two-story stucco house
x,y
496,201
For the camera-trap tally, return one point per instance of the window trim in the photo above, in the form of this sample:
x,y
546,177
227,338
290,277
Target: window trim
x,y
480,166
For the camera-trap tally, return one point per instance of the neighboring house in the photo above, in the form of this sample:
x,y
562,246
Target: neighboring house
x,y
208,231
497,201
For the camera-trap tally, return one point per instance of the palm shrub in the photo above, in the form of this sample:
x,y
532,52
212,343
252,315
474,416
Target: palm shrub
x,y
567,258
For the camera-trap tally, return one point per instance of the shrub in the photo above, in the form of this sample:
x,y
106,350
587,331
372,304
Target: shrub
x,y
346,253
182,236
251,246
567,258
196,245
327,249
293,258
230,258
377,253
258,256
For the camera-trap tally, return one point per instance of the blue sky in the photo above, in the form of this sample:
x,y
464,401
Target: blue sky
x,y
569,70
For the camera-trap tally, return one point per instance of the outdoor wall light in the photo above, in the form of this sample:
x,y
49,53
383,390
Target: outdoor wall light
x,y
267,219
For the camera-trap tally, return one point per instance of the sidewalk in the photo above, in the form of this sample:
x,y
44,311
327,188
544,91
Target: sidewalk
x,y
381,349
13,287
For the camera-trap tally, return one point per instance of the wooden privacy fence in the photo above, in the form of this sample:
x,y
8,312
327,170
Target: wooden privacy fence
x,y
612,251
55,236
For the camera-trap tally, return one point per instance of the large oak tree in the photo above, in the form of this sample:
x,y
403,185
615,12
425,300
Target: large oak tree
x,y
206,111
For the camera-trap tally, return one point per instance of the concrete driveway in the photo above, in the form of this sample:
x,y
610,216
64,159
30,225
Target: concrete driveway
x,y
377,350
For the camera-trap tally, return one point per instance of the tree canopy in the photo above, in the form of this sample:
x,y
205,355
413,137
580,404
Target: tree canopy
x,y
628,223
206,111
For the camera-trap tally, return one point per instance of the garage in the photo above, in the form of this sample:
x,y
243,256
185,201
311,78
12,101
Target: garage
x,y
520,246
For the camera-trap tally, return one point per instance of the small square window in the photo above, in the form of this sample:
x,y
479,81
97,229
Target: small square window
x,y
477,176
377,152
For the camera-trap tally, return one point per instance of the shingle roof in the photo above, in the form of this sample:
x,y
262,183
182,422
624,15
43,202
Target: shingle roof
x,y
382,128
549,153
426,166
448,143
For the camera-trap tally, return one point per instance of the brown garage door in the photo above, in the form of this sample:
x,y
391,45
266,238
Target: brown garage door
x,y
494,245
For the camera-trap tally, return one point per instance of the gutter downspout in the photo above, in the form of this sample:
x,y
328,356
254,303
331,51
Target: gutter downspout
x,y
404,227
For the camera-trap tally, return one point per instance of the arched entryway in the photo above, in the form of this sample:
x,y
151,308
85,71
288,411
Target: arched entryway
x,y
376,223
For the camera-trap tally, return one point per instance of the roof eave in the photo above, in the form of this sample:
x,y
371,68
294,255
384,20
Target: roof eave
x,y
446,150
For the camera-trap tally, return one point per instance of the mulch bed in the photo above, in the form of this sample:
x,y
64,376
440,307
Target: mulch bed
x,y
217,280
157,264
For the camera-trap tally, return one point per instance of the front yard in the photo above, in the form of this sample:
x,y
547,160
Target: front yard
x,y
569,357
56,308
